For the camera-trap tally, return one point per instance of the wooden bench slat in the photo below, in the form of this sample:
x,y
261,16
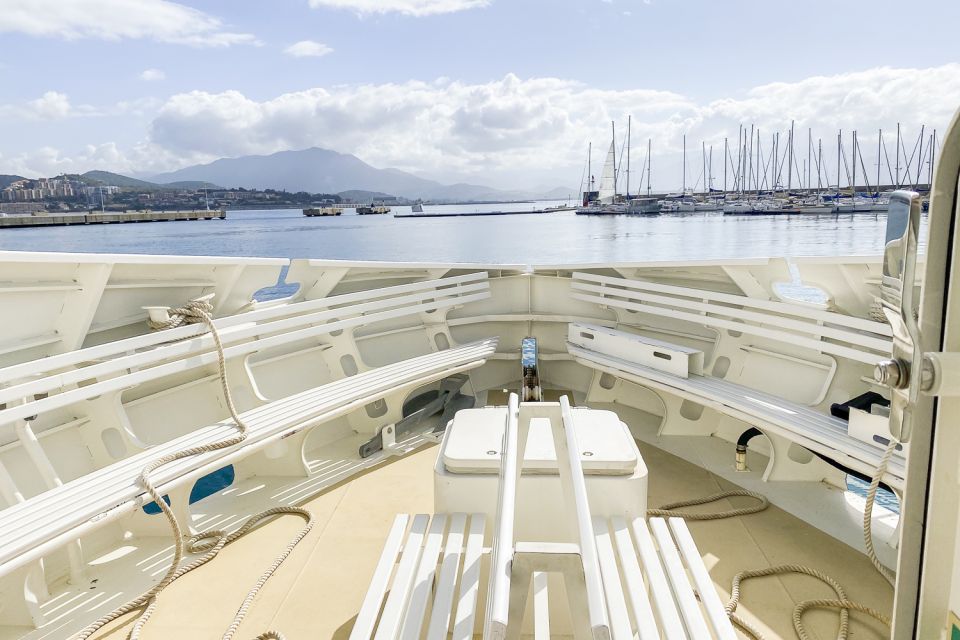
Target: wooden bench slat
x,y
366,620
823,315
189,359
395,608
416,608
708,594
867,357
465,618
636,589
447,579
682,589
613,587
660,589
129,345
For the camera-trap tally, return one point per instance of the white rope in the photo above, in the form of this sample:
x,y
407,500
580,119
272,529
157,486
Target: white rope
x,y
669,510
868,513
840,602
211,541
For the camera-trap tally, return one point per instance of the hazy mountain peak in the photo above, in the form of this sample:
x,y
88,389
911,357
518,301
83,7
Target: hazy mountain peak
x,y
319,170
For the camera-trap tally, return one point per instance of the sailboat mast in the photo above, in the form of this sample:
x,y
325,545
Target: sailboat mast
x,y
819,163
919,157
703,154
613,130
933,156
853,191
790,159
839,133
724,167
628,157
589,168
750,155
898,156
879,144
649,160
809,156
684,188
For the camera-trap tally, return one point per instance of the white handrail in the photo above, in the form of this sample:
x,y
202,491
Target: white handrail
x,y
498,594
596,603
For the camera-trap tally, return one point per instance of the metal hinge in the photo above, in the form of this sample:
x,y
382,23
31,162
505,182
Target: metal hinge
x,y
939,374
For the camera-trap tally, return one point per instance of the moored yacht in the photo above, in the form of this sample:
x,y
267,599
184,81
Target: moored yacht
x,y
449,450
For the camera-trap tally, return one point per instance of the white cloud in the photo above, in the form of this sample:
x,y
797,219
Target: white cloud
x,y
151,75
308,48
50,106
408,7
512,131
158,20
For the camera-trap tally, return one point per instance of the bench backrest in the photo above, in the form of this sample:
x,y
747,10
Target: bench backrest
x,y
825,331
152,356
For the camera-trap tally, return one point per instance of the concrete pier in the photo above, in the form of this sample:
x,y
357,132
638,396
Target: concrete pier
x,y
66,219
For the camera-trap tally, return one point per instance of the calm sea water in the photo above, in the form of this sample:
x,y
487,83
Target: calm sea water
x,y
556,238
529,239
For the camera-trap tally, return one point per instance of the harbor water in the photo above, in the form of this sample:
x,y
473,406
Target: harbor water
x,y
550,238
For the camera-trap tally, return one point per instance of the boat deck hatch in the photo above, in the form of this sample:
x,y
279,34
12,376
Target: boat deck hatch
x,y
473,442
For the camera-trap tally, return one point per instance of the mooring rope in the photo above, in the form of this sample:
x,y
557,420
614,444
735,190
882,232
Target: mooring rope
x,y
211,541
840,602
669,510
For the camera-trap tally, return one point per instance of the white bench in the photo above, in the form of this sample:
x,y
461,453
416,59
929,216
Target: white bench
x,y
622,582
858,339
81,375
432,557
33,528
819,432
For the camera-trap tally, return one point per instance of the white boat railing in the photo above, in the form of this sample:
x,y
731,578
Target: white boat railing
x,y
498,598
573,484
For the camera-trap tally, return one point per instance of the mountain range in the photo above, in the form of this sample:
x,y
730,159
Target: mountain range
x,y
319,170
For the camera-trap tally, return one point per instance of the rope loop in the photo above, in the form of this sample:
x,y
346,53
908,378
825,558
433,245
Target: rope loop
x,y
669,510
210,542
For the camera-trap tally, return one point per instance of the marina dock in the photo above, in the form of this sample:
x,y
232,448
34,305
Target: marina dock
x,y
67,219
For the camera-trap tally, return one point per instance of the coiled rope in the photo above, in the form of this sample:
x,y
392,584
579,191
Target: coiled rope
x,y
841,602
669,510
211,541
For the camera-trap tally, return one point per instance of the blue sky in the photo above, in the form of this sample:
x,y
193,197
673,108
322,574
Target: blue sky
x,y
503,92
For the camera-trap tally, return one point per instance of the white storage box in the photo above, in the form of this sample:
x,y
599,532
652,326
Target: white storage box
x,y
467,467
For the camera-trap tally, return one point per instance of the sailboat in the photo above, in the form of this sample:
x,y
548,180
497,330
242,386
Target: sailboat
x,y
606,197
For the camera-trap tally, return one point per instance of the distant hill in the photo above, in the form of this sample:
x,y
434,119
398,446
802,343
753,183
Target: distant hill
x,y
107,178
6,180
324,171
364,196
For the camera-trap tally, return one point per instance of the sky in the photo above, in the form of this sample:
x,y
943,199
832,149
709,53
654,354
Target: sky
x,y
506,93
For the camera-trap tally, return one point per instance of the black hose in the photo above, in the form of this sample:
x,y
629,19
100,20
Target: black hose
x,y
746,437
856,474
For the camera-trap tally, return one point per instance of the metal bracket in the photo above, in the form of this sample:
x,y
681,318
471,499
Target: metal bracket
x,y
449,400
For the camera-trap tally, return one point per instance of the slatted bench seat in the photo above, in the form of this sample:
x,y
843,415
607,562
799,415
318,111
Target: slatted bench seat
x,y
32,528
647,582
87,373
819,432
857,339
427,580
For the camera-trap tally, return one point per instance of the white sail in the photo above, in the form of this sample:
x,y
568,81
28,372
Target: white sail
x,y
608,185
